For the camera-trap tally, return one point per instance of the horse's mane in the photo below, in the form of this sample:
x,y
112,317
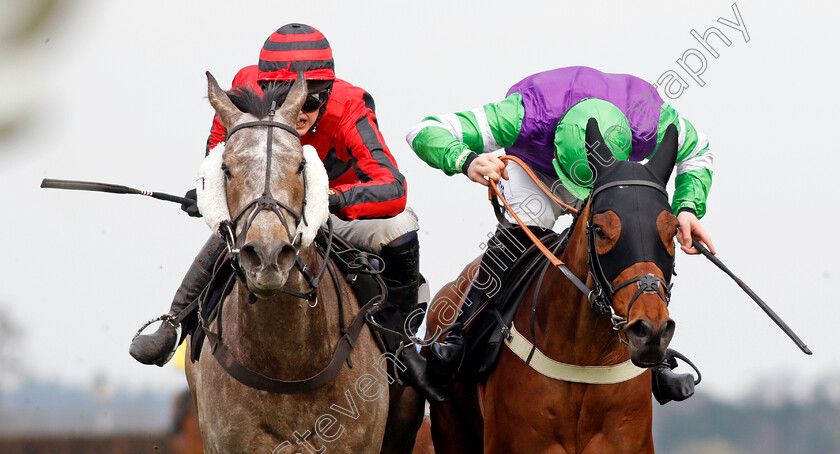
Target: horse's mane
x,y
248,101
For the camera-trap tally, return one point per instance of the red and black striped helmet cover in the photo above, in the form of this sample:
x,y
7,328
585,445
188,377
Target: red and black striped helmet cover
x,y
293,48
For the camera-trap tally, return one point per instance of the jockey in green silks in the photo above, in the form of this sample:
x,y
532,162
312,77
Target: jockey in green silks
x,y
543,121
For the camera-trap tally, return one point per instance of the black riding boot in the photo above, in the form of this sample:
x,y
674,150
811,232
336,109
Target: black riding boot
x,y
402,277
446,356
503,249
668,385
157,348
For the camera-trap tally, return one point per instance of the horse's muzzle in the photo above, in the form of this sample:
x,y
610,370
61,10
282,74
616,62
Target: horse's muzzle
x,y
267,266
648,343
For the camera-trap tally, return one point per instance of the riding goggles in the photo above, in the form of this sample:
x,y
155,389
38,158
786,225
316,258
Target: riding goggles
x,y
314,101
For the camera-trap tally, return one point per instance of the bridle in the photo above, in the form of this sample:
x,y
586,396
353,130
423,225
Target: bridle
x,y
649,283
227,228
601,297
267,202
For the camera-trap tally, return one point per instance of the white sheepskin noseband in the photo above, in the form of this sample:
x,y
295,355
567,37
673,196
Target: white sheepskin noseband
x,y
212,194
210,189
317,209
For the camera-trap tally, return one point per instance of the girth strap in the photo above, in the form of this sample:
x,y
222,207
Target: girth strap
x,y
257,380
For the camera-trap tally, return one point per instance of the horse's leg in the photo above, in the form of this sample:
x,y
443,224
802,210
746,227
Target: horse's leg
x,y
405,415
193,376
187,438
603,443
457,425
424,444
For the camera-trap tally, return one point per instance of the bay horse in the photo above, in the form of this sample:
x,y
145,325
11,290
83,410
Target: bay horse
x,y
620,245
278,377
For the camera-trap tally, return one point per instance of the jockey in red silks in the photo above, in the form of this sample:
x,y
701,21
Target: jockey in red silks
x,y
367,197
543,121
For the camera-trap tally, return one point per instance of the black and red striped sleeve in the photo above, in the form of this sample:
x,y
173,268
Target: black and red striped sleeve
x,y
381,190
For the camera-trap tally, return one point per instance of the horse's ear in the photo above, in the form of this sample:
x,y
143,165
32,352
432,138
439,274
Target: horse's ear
x,y
223,106
294,100
662,162
599,154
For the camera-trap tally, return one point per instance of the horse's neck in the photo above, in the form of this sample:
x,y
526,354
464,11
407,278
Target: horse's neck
x,y
282,336
565,322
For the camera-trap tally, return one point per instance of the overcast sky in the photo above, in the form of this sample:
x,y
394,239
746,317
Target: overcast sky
x,y
117,94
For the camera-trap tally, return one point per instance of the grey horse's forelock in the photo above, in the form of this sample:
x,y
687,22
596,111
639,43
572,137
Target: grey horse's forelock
x,y
212,195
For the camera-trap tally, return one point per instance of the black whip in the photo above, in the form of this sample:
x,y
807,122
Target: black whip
x,y
112,188
755,297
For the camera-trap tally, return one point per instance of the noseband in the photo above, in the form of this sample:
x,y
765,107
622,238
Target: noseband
x,y
267,202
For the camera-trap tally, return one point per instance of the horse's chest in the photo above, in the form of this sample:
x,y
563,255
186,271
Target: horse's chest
x,y
547,415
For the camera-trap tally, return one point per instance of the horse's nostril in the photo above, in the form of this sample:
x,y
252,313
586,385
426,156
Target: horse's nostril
x,y
666,332
641,330
286,256
249,257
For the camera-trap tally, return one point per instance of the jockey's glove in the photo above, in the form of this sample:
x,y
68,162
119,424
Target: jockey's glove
x,y
337,202
191,206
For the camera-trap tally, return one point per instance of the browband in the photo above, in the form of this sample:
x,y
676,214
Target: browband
x,y
651,184
270,123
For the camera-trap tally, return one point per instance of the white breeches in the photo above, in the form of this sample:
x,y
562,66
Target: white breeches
x,y
529,202
372,234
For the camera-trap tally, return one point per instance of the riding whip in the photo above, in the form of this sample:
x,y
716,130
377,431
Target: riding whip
x,y
755,297
112,188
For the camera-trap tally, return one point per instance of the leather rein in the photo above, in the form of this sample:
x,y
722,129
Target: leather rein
x,y
601,297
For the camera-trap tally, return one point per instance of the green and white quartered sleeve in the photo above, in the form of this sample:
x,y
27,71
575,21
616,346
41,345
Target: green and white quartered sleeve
x,y
694,163
445,141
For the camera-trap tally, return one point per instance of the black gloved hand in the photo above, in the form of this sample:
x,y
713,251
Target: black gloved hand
x,y
336,200
191,207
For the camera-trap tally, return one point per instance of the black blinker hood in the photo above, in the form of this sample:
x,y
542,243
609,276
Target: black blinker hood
x,y
636,194
637,205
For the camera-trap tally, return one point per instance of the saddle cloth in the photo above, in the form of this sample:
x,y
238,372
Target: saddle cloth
x,y
485,338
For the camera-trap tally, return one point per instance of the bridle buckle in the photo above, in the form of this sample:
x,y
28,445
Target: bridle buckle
x,y
648,283
226,231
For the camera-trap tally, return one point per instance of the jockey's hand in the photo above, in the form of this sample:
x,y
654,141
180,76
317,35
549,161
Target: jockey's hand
x,y
191,207
486,166
690,227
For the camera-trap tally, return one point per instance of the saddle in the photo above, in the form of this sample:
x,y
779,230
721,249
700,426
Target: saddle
x,y
491,326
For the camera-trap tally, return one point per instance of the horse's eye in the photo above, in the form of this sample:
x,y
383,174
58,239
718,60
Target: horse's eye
x,y
600,232
226,170
301,167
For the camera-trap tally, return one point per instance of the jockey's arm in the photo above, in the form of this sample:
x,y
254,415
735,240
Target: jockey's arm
x,y
692,182
381,192
460,142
